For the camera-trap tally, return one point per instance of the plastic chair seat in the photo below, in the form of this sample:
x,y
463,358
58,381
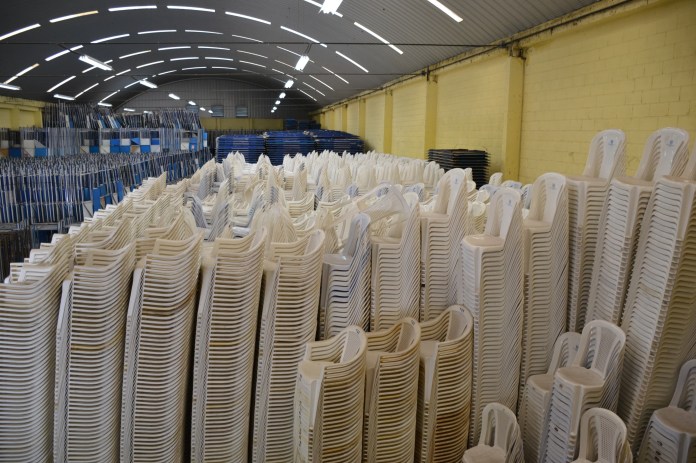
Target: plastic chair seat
x,y
581,376
484,454
679,420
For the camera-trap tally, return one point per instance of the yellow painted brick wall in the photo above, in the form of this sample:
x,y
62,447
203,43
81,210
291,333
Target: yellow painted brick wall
x,y
353,121
374,122
470,107
329,120
408,120
636,72
338,119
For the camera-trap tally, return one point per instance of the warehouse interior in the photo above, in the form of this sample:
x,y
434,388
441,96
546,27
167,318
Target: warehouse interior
x,y
348,231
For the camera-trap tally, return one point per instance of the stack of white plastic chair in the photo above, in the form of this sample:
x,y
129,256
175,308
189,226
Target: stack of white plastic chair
x,y
329,397
109,238
491,287
442,230
592,380
659,319
197,211
365,177
159,332
671,432
545,237
224,348
586,196
534,405
391,393
288,321
432,173
620,226
395,286
345,285
478,213
29,306
500,441
603,438
444,387
496,179
89,356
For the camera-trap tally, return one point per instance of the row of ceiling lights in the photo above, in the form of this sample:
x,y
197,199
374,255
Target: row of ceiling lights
x,y
328,6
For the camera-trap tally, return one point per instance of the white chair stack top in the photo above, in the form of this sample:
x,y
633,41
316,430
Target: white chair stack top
x,y
288,321
159,336
659,319
329,396
603,438
89,357
224,348
545,238
501,440
395,286
391,393
345,285
442,230
619,231
671,432
29,306
444,387
592,380
534,406
491,287
586,196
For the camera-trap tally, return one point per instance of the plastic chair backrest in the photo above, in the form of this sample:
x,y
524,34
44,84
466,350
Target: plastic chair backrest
x,y
504,206
690,169
665,153
685,393
602,436
355,343
460,321
606,157
496,179
498,427
564,351
600,343
410,332
546,192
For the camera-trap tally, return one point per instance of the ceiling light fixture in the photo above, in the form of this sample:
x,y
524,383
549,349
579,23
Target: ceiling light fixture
x,y
319,5
73,16
247,38
379,37
192,103
128,8
161,31
244,16
191,8
220,58
166,72
293,31
223,67
308,94
202,32
351,61
109,78
277,102
344,80
110,95
19,31
149,64
21,73
11,87
330,6
282,95
210,111
60,83
180,47
64,52
147,83
302,62
322,82
130,110
122,72
193,68
113,37
63,97
101,103
134,54
184,58
86,90
253,64
289,83
202,108
213,48
275,108
174,97
446,10
95,62
255,54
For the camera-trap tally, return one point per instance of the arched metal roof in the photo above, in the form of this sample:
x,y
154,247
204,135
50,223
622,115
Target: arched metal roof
x,y
366,44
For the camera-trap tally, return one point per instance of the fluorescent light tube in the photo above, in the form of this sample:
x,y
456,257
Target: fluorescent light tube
x,y
322,82
130,110
192,103
302,62
181,47
72,16
139,7
282,95
446,10
274,108
166,72
60,83
193,68
95,62
210,111
147,83
63,97
351,61
330,6
10,87
244,16
113,37
250,53
101,103
64,52
203,32
19,31
213,48
253,64
149,64
247,38
277,102
289,83
219,58
161,31
86,90
191,8
174,97
308,94
379,37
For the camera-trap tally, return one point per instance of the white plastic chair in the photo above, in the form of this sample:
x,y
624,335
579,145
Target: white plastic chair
x,y
500,439
603,438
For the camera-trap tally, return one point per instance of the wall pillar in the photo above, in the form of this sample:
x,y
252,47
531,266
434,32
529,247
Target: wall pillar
x,y
512,118
344,117
388,121
362,104
430,115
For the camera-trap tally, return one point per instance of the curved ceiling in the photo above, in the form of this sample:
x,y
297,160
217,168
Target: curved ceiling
x,y
366,44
